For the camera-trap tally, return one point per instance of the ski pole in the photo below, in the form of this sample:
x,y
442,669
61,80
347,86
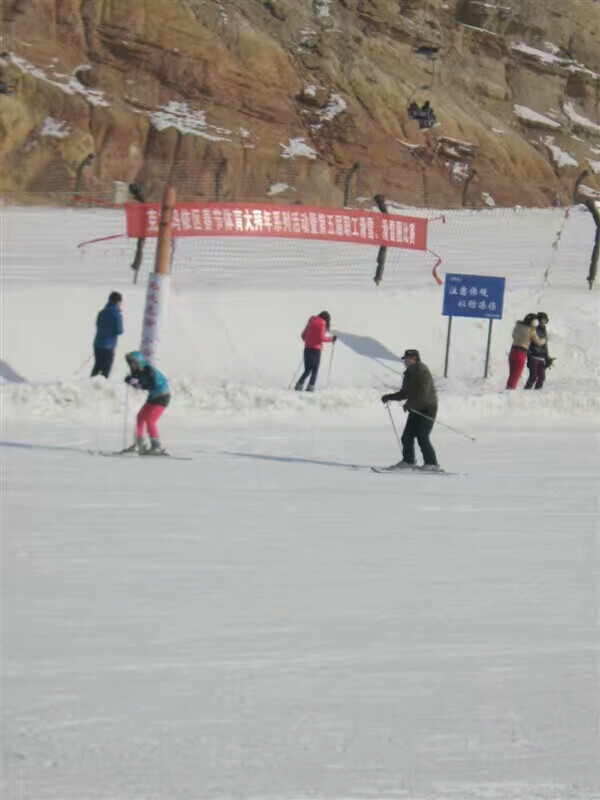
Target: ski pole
x,y
389,410
443,424
296,372
330,364
125,417
87,361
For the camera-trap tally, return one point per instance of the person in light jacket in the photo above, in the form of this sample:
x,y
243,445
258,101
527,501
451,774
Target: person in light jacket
x,y
524,334
314,335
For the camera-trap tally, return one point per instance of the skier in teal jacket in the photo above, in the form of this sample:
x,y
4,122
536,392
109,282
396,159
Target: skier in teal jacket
x,y
146,377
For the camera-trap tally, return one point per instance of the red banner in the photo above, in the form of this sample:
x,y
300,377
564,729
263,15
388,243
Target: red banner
x,y
286,222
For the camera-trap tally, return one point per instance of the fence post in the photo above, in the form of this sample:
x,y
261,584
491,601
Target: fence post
x,y
219,174
348,178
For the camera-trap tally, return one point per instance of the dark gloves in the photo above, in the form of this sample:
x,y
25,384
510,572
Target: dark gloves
x,y
549,362
334,339
131,380
387,398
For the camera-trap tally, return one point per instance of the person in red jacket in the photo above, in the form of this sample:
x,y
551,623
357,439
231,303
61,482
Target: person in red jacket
x,y
313,336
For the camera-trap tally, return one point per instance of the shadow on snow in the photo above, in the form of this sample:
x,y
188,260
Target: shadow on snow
x,y
30,446
295,460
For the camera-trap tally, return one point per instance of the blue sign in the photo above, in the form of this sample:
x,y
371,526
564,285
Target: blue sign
x,y
473,296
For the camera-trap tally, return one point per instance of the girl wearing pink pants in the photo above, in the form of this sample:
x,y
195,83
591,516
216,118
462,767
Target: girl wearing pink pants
x,y
146,377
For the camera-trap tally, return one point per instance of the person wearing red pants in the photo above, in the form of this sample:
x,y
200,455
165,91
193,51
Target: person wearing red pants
x,y
524,334
146,377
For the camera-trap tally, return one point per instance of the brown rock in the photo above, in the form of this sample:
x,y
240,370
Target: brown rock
x,y
208,94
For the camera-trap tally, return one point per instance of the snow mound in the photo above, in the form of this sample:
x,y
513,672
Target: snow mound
x,y
528,116
187,120
8,374
192,400
297,148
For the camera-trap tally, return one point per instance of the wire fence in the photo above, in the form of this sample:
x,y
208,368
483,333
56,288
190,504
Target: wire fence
x,y
532,247
295,180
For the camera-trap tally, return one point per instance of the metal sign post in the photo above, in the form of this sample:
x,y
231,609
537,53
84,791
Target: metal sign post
x,y
487,352
447,347
475,296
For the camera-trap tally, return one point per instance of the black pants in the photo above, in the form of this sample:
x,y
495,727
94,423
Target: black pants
x,y
419,428
103,361
312,359
537,373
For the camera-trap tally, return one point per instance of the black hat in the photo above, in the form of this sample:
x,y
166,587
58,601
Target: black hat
x,y
115,297
543,317
412,354
325,315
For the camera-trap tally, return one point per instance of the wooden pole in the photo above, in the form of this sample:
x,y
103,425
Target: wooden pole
x,y
157,296
163,246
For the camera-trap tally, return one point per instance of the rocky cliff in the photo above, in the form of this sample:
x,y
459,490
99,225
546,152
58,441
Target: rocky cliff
x,y
303,100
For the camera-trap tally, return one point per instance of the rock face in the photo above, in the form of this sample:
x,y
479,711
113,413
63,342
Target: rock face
x,y
252,99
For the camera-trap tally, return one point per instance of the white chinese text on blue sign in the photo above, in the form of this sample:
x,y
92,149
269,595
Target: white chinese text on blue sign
x,y
473,296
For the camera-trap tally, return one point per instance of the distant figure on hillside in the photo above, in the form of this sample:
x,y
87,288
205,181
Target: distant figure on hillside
x,y
414,111
147,378
524,334
421,403
538,359
428,118
314,335
424,115
109,326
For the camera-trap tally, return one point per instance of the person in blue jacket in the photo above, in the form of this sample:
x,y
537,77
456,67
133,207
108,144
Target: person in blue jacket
x,y
109,326
146,377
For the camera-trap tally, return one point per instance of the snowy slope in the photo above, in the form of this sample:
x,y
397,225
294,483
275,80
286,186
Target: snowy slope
x,y
266,620
238,307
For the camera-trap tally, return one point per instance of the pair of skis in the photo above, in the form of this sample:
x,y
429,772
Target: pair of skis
x,y
391,470
130,454
394,470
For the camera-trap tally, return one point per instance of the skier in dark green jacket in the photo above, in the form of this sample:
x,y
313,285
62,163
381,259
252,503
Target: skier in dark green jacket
x,y
418,392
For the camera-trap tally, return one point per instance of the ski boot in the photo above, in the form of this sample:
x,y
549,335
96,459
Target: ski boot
x,y
156,449
310,388
298,387
403,465
139,446
430,468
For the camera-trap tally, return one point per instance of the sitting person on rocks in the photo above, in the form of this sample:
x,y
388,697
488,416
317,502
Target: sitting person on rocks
x,y
414,112
427,118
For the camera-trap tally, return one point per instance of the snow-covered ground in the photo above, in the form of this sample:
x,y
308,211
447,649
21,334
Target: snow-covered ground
x,y
265,620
